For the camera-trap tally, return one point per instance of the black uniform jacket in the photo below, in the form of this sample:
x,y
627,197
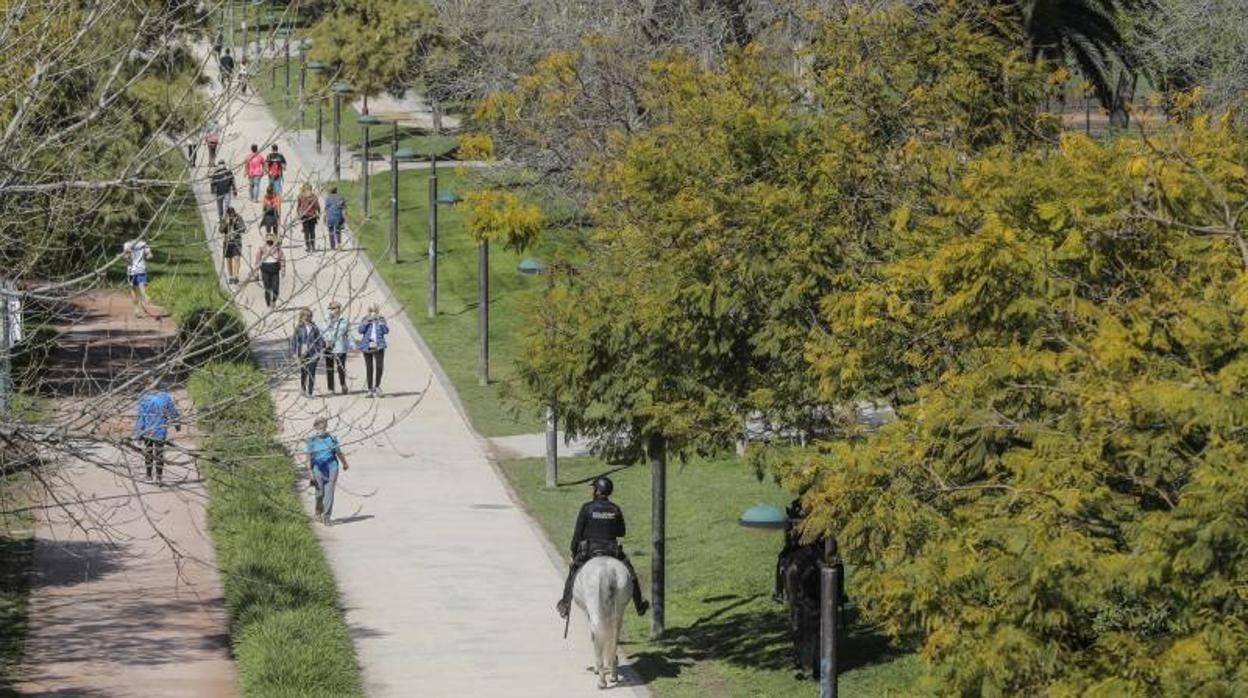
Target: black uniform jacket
x,y
599,519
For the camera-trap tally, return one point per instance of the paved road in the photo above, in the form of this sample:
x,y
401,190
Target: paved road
x,y
449,587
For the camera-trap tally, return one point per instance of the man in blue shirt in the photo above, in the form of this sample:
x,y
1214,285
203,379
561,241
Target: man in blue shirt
x,y
335,216
156,410
324,455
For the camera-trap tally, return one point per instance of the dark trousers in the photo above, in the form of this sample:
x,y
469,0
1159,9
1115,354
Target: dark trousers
x,y
212,154
374,362
270,274
307,374
191,150
154,456
333,360
309,233
585,556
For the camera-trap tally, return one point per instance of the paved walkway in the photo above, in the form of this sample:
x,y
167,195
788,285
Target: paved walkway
x,y
113,612
448,585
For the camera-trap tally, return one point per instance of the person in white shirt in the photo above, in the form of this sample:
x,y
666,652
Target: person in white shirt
x,y
137,252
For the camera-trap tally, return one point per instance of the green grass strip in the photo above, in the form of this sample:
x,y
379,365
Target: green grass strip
x,y
286,623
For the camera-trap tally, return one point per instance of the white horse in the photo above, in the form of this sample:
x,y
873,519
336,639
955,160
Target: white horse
x,y
602,589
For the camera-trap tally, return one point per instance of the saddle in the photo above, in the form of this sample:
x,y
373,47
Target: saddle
x,y
590,549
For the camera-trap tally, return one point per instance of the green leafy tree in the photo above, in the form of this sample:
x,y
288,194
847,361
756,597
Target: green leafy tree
x,y
371,43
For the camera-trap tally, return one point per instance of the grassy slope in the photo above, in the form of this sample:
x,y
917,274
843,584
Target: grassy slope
x,y
452,335
726,637
287,629
286,112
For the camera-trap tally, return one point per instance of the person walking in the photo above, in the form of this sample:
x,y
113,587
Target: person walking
x,y
271,261
231,230
137,252
324,455
192,148
227,68
276,164
306,346
373,331
223,187
255,172
155,411
337,334
335,216
270,212
212,138
309,209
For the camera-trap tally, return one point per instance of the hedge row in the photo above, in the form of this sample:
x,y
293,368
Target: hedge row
x,y
289,634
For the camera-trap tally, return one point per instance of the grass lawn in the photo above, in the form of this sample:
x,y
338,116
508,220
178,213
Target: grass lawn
x,y
452,335
725,636
286,112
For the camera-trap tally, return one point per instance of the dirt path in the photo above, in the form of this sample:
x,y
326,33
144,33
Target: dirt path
x,y
114,611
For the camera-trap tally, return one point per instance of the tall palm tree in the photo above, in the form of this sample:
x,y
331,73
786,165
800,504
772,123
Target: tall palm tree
x,y
1087,33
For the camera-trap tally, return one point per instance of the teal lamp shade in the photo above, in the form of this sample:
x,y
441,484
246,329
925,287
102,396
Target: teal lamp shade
x,y
316,65
764,516
405,154
528,265
341,88
449,197
368,120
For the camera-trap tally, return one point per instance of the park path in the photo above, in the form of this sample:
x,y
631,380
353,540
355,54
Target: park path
x,y
447,583
114,612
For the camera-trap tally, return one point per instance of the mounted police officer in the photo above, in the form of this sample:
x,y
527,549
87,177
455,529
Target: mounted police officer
x,y
598,525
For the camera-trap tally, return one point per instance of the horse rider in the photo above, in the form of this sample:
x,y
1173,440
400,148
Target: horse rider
x,y
598,526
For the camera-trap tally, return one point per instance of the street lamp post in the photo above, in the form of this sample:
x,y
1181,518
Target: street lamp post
x,y
530,266
286,49
397,155
316,67
365,121
339,89
483,312
768,517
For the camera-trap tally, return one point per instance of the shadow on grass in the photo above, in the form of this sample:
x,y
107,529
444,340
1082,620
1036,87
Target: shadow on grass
x,y
756,638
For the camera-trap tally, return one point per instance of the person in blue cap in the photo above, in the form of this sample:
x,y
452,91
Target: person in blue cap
x,y
156,411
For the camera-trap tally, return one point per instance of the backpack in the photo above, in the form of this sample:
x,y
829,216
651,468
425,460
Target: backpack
x,y
275,168
324,451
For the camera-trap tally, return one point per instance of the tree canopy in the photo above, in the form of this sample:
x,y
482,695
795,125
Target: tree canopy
x,y
1059,324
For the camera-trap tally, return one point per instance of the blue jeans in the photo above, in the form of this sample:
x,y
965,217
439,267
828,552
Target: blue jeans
x,y
324,491
335,233
276,183
254,186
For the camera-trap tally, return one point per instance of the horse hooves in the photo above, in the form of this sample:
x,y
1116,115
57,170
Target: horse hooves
x,y
602,682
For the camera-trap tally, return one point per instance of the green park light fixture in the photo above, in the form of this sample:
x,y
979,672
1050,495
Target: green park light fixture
x,y
533,267
446,199
764,516
365,121
338,89
530,266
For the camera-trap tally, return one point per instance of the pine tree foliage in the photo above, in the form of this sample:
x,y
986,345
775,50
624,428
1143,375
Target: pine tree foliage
x,y
372,44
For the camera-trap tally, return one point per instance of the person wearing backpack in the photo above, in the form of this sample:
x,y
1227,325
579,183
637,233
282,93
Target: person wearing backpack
x,y
255,172
335,216
212,138
223,187
306,346
231,229
324,455
270,212
309,210
227,68
276,167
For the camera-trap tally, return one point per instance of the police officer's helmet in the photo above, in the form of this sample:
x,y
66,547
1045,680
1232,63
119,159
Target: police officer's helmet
x,y
603,487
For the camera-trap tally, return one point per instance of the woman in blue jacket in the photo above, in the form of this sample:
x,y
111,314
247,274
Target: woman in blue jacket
x,y
306,346
373,331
